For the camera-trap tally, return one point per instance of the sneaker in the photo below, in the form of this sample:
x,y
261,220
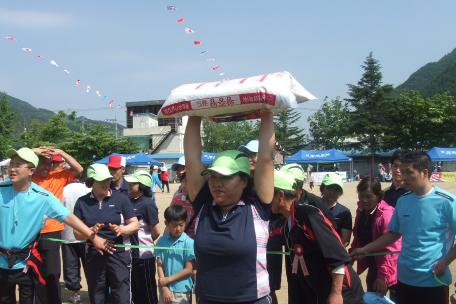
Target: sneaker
x,y
75,298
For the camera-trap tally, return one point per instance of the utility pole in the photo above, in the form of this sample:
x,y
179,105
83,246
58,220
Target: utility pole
x,y
114,121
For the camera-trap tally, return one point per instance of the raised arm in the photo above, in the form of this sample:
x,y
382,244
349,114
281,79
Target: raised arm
x,y
76,168
264,169
192,151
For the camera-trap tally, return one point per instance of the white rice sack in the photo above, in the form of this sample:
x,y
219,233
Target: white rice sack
x,y
236,99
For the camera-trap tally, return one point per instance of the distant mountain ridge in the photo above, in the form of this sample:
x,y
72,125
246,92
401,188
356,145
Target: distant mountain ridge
x,y
26,113
434,77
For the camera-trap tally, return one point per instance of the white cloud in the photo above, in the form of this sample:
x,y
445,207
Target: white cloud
x,y
33,19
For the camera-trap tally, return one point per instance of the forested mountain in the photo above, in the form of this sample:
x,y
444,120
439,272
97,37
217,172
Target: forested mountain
x,y
434,77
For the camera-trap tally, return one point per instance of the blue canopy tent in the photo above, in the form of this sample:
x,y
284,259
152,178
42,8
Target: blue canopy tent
x,y
133,159
207,158
318,156
442,154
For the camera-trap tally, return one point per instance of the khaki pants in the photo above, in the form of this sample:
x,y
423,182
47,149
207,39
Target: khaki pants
x,y
178,298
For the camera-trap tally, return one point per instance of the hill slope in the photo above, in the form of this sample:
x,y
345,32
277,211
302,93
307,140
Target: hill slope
x,y
26,113
433,78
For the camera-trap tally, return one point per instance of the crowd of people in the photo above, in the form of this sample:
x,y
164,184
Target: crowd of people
x,y
228,229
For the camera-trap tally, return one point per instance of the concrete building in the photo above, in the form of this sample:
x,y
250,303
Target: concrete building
x,y
153,134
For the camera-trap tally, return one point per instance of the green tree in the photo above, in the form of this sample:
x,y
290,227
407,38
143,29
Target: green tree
x,y
288,134
420,123
219,137
329,126
368,101
56,129
6,127
96,142
52,132
31,136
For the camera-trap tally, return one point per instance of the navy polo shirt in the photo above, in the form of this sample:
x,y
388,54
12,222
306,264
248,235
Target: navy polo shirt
x,y
392,195
342,218
114,209
230,249
123,187
147,213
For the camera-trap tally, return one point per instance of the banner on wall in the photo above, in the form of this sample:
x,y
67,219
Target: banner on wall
x,y
318,176
443,177
449,176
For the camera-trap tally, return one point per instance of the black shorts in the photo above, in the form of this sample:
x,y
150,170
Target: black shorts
x,y
407,294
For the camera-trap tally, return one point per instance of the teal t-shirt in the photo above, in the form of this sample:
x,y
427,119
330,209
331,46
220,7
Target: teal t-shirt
x,y
174,260
427,224
22,215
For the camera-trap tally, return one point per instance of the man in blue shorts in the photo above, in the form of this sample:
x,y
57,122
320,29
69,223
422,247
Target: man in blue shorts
x,y
23,209
425,217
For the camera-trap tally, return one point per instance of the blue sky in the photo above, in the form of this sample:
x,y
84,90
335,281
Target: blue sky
x,y
135,50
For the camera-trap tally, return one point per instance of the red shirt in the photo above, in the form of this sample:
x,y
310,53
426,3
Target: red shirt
x,y
164,176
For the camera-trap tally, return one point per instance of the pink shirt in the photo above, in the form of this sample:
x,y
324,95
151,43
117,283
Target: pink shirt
x,y
386,264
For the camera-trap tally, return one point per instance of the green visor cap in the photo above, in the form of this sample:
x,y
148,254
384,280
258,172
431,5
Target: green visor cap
x,y
333,179
26,154
229,162
284,181
294,170
141,176
98,172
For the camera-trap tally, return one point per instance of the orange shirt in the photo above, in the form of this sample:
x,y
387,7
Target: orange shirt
x,y
54,183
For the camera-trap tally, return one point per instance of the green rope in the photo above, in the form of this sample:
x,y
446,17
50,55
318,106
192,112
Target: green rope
x,y
151,247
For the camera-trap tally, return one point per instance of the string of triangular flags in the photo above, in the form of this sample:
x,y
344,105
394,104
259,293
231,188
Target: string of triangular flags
x,y
198,42
76,82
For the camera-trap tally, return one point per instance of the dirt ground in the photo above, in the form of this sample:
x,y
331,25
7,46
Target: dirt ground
x,y
349,199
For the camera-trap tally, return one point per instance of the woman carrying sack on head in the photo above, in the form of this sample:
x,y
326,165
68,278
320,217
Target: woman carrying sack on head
x,y
232,218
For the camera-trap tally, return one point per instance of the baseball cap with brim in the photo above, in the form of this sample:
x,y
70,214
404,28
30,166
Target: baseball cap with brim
x,y
26,154
141,176
250,147
116,161
229,162
333,179
98,172
294,170
180,162
284,181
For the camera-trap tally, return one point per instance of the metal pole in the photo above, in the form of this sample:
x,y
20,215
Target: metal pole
x,y
115,119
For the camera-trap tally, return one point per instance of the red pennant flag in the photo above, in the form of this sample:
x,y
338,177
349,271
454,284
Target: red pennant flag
x,y
181,20
197,42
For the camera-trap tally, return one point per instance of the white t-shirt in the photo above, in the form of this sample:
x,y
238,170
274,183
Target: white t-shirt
x,y
71,193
